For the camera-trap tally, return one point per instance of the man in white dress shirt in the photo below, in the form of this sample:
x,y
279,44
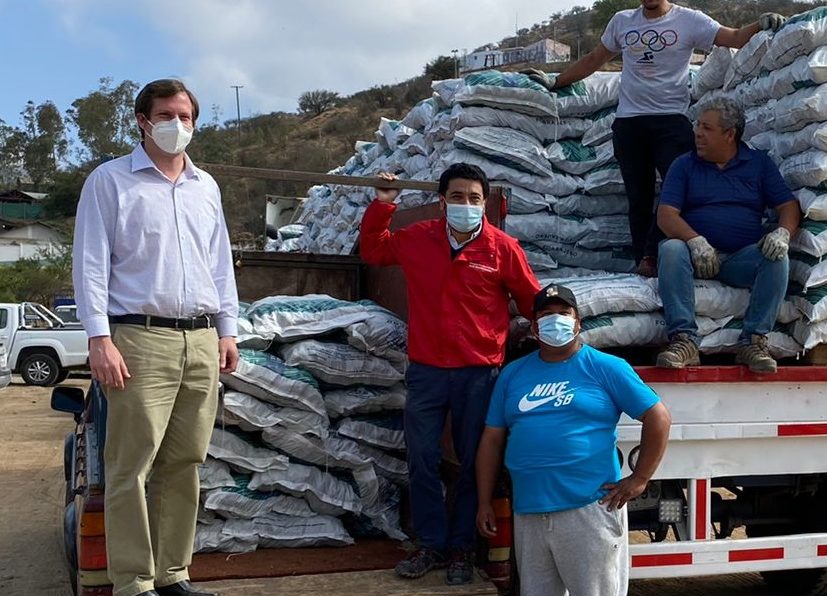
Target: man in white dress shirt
x,y
156,294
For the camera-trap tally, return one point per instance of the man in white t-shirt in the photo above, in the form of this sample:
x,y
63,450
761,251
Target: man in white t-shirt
x,y
651,128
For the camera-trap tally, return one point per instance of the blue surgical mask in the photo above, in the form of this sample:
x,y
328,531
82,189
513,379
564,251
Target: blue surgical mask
x,y
556,330
463,218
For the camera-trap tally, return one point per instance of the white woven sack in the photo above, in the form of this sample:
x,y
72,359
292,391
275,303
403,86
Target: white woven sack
x,y
503,145
340,364
799,36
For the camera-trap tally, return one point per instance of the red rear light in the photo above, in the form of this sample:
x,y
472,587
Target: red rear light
x,y
91,552
502,510
498,567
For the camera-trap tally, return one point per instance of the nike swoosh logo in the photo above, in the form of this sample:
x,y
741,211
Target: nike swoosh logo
x,y
526,405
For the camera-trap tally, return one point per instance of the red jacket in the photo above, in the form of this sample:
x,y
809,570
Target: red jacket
x,y
457,309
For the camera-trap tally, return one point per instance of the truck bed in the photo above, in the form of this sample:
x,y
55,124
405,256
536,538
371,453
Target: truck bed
x,y
364,568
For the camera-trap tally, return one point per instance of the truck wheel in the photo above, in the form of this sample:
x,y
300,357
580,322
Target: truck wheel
x,y
805,582
39,369
802,582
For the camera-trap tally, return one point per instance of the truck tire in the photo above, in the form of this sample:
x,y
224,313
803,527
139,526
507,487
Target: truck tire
x,y
39,369
62,375
802,582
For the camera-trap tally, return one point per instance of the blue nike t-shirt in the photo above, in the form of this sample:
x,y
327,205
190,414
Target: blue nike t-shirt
x,y
562,421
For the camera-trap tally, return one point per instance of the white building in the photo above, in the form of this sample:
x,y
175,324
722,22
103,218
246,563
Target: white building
x,y
21,240
544,51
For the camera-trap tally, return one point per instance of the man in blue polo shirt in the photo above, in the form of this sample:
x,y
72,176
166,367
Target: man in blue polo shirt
x,y
557,410
711,210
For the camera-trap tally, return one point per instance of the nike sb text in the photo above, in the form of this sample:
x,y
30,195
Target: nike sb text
x,y
545,393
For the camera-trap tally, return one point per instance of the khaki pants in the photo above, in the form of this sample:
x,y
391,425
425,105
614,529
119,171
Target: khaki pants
x,y
158,430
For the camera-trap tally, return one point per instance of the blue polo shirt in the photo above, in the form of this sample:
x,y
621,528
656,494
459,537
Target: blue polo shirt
x,y
725,205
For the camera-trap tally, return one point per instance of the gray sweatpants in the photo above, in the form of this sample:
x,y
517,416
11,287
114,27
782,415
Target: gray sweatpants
x,y
578,552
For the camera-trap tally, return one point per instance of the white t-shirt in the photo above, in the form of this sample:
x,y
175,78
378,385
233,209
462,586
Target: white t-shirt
x,y
656,54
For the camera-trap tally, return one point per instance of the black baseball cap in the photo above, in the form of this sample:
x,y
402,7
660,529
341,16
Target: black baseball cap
x,y
551,293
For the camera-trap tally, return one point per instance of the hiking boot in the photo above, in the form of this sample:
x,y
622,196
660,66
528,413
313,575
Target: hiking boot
x,y
420,562
756,355
460,568
648,267
680,352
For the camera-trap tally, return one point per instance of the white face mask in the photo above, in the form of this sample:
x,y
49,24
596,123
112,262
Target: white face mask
x,y
171,136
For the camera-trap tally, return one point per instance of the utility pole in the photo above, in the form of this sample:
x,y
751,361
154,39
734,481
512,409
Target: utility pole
x,y
237,111
456,63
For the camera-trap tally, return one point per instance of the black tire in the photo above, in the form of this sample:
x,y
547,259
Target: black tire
x,y
62,375
802,582
41,370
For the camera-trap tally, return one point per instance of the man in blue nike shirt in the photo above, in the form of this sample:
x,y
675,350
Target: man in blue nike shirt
x,y
555,414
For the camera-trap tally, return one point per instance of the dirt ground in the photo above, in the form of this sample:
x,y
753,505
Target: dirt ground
x,y
31,504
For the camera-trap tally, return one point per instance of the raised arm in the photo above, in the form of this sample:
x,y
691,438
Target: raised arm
x,y
584,67
376,241
737,38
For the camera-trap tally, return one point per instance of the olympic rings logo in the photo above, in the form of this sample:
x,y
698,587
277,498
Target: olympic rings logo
x,y
651,39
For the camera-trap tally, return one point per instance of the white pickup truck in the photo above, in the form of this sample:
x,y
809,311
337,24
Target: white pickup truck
x,y
40,347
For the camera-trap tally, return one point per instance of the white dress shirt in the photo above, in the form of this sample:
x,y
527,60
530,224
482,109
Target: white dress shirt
x,y
455,244
147,245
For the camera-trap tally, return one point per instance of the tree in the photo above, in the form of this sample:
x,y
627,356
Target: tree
x,y
38,279
317,102
441,68
64,192
604,10
12,146
43,142
105,120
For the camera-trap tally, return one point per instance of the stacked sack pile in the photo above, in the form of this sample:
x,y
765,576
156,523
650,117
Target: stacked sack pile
x,y
553,154
781,81
308,449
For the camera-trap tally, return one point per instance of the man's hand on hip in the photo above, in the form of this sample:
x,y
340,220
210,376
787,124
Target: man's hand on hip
x,y
106,362
227,355
775,245
704,257
622,492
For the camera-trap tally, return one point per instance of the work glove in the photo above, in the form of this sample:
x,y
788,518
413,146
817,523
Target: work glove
x,y
776,244
771,21
546,79
704,257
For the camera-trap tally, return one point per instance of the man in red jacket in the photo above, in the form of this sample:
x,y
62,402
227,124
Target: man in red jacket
x,y
461,274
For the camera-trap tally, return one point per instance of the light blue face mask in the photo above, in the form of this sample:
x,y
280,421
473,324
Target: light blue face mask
x,y
556,330
463,218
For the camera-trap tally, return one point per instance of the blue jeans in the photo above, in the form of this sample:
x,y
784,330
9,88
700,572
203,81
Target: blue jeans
x,y
747,268
432,393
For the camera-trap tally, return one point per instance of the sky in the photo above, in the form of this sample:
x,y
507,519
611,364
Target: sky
x,y
58,50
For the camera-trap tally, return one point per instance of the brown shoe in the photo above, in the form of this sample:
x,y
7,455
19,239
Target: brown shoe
x,y
681,352
648,267
756,355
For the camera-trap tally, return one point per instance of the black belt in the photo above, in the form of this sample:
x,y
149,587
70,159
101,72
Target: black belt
x,y
199,322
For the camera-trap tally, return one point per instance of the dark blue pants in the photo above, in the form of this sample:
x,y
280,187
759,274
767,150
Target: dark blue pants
x,y
432,393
